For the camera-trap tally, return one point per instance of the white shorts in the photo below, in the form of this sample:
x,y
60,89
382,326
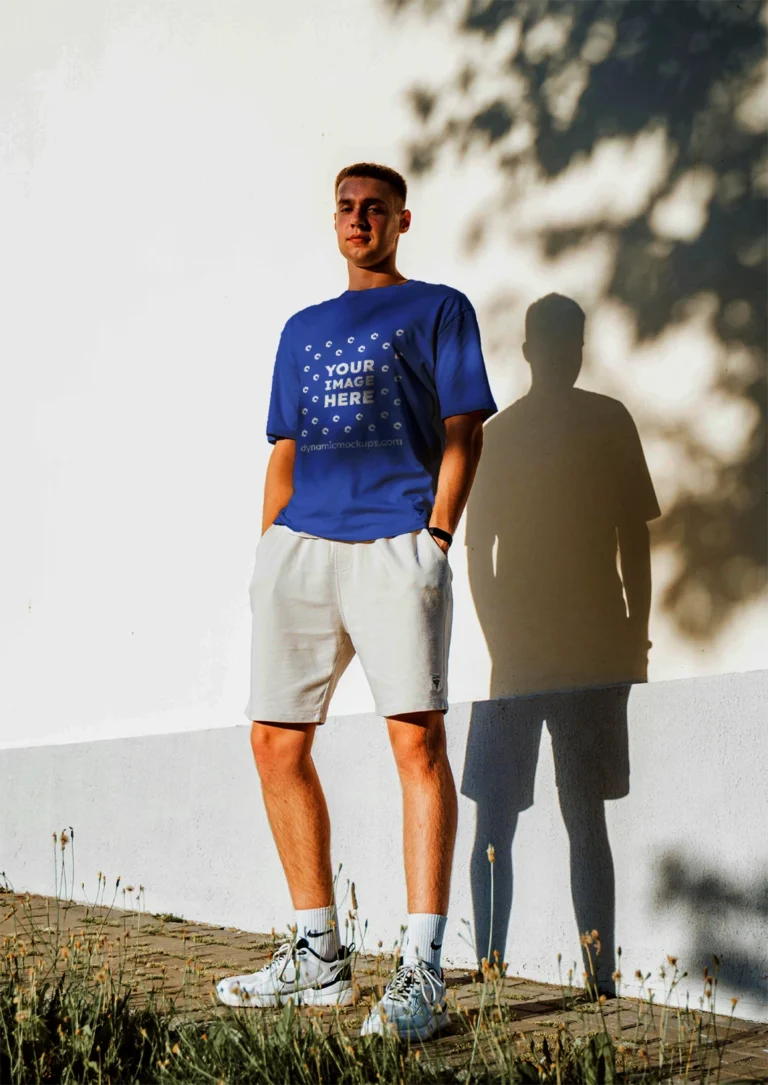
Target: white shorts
x,y
315,602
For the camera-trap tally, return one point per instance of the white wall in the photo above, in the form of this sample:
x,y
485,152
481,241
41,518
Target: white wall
x,y
167,198
182,816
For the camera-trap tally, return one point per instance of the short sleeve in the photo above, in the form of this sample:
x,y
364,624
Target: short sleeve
x,y
635,493
283,416
460,376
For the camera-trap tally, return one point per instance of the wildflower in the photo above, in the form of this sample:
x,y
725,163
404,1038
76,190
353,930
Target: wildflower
x,y
491,853
603,1000
144,1033
64,952
716,959
616,977
638,975
129,888
672,961
64,839
353,895
175,1050
22,1015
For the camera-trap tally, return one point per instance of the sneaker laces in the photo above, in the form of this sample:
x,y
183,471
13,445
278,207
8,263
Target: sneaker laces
x,y
409,976
279,958
284,952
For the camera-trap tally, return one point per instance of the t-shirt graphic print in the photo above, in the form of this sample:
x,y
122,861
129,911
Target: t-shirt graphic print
x,y
363,383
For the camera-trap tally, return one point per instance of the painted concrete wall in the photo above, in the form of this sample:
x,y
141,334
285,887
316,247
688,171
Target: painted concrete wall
x,y
166,198
182,816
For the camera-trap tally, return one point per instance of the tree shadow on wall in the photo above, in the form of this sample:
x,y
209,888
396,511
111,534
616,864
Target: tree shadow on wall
x,y
561,487
543,88
715,923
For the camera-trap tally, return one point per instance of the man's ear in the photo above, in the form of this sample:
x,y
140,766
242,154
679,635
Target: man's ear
x,y
405,221
527,352
334,220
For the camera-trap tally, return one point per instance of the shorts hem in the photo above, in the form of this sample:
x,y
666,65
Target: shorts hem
x,y
280,716
399,710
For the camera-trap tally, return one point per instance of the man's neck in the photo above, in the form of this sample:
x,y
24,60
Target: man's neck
x,y
368,278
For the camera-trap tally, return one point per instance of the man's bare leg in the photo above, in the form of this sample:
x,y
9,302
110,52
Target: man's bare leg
x,y
296,809
312,967
429,808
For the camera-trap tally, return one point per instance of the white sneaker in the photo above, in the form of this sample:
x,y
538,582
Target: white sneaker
x,y
295,974
413,1006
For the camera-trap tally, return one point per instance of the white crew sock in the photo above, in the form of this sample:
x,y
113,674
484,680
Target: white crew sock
x,y
320,927
424,939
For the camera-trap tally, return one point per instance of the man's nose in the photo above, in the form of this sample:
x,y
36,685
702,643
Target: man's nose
x,y
360,220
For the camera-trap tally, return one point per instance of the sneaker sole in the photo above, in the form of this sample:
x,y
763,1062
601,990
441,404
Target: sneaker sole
x,y
336,994
424,1032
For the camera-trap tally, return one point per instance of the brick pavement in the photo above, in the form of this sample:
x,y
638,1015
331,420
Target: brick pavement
x,y
182,961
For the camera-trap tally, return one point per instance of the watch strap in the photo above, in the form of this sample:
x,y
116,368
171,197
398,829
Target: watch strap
x,y
438,533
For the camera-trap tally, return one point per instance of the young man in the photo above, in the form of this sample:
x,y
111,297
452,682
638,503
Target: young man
x,y
377,408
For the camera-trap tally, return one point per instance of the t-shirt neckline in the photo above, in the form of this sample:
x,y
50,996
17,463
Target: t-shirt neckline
x,y
378,289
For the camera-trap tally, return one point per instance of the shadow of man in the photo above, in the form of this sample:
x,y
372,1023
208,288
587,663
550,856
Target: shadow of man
x,y
562,489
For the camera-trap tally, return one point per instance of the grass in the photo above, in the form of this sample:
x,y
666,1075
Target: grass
x,y
73,1009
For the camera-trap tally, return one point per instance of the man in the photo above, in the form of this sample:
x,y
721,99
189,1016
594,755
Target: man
x,y
377,408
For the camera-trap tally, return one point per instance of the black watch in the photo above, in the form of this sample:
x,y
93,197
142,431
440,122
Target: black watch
x,y
438,533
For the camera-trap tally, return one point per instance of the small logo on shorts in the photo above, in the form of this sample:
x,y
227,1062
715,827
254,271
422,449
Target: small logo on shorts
x,y
435,681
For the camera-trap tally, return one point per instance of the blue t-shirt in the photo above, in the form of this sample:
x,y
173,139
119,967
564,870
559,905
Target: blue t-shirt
x,y
362,383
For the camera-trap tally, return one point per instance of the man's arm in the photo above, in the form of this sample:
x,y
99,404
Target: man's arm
x,y
464,443
278,485
635,556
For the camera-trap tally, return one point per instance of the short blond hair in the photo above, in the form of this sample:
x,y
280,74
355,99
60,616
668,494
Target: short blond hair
x,y
379,173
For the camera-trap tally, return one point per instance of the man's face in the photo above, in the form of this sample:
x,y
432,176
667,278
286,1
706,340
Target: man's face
x,y
369,219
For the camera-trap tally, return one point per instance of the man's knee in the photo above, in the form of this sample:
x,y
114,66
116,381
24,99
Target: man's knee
x,y
418,742
280,748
